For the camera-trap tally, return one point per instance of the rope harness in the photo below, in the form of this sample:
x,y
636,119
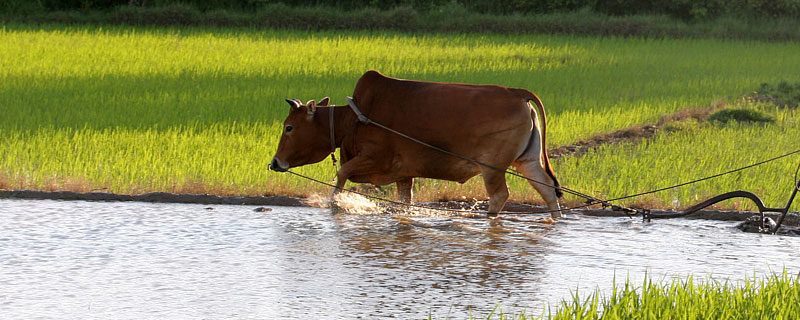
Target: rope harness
x,y
333,138
590,200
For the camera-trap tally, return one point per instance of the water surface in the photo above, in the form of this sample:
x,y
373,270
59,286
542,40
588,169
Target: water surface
x,y
103,260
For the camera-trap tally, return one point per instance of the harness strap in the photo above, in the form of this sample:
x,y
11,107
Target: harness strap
x,y
333,137
361,117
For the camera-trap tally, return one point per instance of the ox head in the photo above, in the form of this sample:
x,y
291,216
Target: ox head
x,y
304,140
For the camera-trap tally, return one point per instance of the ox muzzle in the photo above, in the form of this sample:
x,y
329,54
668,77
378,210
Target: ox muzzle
x,y
276,165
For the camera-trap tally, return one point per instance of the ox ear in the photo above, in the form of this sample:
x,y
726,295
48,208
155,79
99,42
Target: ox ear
x,y
324,102
294,103
312,108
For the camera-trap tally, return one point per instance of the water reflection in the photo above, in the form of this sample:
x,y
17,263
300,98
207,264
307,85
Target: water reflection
x,y
443,263
135,260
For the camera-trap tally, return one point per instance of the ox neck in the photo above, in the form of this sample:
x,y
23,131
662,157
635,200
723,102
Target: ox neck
x,y
339,120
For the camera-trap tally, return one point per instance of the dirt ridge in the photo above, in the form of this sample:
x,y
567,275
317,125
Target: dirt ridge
x,y
633,133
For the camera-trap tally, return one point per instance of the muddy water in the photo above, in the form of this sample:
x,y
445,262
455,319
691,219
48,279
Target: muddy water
x,y
101,260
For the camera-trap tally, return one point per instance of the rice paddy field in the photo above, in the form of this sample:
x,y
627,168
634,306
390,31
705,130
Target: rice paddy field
x,y
133,110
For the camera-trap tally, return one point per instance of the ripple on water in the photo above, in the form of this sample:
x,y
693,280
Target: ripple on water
x,y
138,260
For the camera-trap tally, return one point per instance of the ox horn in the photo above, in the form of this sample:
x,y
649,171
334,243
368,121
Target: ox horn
x,y
294,103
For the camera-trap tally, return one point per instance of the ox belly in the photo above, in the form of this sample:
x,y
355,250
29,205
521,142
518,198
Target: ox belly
x,y
393,158
418,161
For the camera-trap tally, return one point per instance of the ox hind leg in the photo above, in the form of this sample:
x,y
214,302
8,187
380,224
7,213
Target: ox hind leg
x,y
404,190
496,187
534,171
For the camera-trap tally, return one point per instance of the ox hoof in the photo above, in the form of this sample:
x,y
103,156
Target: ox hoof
x,y
492,215
336,209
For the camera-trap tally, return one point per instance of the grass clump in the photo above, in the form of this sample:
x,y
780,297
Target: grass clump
x,y
782,94
740,115
774,297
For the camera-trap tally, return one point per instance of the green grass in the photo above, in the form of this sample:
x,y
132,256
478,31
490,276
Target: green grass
x,y
130,110
774,297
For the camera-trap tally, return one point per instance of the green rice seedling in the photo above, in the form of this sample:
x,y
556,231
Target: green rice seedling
x,y
704,150
178,109
770,298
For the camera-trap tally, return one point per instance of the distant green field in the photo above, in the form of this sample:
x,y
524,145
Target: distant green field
x,y
132,110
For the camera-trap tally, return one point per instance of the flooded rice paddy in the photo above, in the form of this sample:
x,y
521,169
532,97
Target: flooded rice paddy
x,y
101,260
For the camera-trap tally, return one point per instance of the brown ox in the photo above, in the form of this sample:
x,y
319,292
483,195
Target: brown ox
x,y
493,125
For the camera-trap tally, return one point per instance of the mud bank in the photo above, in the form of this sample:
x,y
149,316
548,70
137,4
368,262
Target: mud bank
x,y
792,219
164,197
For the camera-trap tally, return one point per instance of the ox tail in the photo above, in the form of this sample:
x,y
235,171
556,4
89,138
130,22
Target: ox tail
x,y
532,97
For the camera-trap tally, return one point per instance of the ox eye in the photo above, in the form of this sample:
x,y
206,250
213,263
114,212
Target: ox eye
x,y
289,128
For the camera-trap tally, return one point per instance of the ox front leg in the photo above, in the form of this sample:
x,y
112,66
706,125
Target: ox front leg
x,y
495,182
533,170
350,168
404,190
336,190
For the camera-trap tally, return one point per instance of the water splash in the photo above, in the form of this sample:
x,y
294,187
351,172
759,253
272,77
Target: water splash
x,y
316,200
352,203
344,202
